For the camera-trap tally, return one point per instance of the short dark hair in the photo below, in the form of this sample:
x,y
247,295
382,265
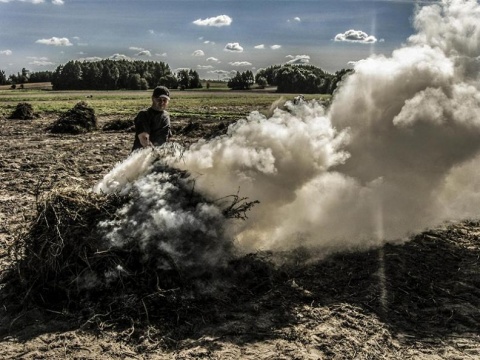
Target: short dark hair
x,y
161,90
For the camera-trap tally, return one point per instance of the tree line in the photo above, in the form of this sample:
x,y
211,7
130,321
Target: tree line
x,y
142,75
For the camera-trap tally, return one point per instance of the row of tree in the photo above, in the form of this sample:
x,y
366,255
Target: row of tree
x,y
108,75
306,79
142,75
121,74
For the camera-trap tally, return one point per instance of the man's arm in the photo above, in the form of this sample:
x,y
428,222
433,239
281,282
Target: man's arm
x,y
142,129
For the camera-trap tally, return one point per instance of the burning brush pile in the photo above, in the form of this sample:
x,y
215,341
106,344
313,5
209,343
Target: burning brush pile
x,y
137,253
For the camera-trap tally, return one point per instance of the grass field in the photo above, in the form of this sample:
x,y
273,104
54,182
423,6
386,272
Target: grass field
x,y
201,102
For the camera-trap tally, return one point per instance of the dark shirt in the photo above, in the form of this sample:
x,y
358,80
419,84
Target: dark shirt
x,y
156,123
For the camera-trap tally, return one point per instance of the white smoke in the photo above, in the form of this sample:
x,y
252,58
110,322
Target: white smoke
x,y
394,154
396,134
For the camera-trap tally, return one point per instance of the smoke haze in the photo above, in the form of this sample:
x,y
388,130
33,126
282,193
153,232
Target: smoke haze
x,y
395,153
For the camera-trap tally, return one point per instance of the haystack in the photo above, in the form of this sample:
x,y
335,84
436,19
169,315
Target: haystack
x,y
23,111
78,120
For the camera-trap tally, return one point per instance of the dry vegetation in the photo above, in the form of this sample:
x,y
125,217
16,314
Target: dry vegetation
x,y
417,300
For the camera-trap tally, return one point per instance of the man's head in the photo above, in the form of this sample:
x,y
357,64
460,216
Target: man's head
x,y
160,97
161,91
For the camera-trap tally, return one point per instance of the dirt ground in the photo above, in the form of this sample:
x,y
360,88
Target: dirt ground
x,y
420,300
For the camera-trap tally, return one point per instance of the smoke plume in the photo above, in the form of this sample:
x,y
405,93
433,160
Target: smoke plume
x,y
395,153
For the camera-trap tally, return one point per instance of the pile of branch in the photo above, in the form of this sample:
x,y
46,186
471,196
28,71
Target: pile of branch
x,y
119,125
78,120
64,261
23,111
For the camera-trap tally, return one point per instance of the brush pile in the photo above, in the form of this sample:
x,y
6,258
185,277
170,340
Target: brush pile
x,y
78,120
119,125
85,252
23,111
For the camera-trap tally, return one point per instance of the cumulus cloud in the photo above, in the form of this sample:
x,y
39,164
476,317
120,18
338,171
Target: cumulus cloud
x,y
144,53
296,19
38,62
204,67
6,52
135,48
119,57
356,36
240,63
217,21
58,2
275,47
222,73
54,41
198,53
260,47
298,59
161,55
233,47
213,59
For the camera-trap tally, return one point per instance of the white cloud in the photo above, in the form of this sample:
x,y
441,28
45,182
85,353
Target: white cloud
x,y
161,55
233,47
43,58
134,48
151,32
198,53
222,73
55,41
204,67
58,2
213,59
240,63
275,47
356,36
296,19
144,53
41,63
261,46
6,52
209,42
217,21
298,59
119,57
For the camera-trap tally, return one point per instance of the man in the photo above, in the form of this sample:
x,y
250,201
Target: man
x,y
152,125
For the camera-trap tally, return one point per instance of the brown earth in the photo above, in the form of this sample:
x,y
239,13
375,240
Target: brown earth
x,y
420,300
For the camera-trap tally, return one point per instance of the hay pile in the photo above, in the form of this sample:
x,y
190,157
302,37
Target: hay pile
x,y
23,111
78,120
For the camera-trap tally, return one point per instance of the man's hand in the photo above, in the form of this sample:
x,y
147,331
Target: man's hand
x,y
144,138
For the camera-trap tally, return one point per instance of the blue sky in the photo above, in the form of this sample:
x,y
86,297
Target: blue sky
x,y
213,37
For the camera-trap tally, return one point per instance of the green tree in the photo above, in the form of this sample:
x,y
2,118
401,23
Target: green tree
x,y
3,78
261,82
169,80
194,80
183,79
